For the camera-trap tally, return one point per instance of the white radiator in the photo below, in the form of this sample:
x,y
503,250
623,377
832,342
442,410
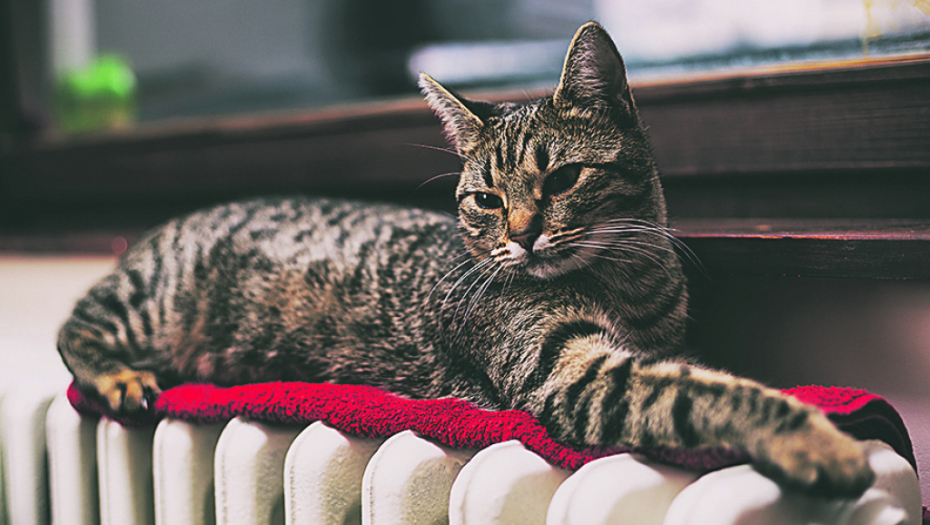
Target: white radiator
x,y
255,473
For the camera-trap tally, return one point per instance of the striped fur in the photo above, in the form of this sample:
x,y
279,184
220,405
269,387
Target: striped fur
x,y
558,290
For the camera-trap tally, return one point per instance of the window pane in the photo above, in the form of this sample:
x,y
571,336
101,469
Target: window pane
x,y
196,58
688,35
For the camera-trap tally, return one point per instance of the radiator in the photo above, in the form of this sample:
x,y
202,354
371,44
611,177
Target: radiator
x,y
64,468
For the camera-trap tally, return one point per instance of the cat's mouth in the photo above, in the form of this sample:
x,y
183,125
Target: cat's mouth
x,y
545,259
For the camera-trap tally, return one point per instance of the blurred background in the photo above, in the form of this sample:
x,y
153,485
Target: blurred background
x,y
155,60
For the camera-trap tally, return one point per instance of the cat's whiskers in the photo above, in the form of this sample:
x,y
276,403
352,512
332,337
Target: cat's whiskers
x,y
630,225
479,294
511,262
468,290
453,152
664,231
556,242
462,278
487,276
621,243
477,267
509,279
444,150
629,246
624,247
608,258
436,177
629,228
632,239
629,261
610,240
468,253
498,260
467,274
447,274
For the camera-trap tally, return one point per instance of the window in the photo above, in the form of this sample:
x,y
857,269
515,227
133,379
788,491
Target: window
x,y
195,58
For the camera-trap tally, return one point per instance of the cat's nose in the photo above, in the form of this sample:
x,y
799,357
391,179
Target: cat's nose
x,y
526,240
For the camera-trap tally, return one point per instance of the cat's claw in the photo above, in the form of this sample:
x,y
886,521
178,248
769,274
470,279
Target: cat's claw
x,y
128,391
819,460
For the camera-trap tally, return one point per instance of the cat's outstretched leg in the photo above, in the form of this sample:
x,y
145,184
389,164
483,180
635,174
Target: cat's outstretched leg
x,y
596,396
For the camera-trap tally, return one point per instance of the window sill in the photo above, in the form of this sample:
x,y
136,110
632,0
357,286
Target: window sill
x,y
848,141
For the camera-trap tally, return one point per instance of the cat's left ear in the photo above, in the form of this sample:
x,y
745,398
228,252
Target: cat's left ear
x,y
594,75
461,123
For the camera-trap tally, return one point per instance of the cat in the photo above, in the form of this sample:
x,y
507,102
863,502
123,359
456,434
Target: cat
x,y
558,291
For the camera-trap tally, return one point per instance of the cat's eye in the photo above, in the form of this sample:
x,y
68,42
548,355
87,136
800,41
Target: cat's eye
x,y
488,201
562,179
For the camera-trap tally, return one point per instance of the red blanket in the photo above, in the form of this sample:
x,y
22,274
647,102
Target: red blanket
x,y
368,411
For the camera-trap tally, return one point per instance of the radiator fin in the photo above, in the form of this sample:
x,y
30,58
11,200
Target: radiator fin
x,y
72,460
249,472
323,476
182,458
124,471
408,480
617,489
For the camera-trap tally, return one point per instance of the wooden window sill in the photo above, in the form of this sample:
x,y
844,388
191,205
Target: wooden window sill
x,y
849,140
873,248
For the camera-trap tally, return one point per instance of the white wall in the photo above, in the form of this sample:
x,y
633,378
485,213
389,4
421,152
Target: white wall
x,y
36,296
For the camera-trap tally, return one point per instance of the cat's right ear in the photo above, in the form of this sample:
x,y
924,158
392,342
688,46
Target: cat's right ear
x,y
594,75
460,122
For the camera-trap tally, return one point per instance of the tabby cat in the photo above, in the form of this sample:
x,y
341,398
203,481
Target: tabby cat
x,y
557,291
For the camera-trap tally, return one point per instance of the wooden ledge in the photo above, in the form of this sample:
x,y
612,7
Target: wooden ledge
x,y
868,249
874,248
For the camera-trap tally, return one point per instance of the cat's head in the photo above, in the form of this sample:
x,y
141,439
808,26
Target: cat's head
x,y
559,183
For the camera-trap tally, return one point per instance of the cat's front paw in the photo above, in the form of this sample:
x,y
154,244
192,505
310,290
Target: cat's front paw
x,y
127,391
817,459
